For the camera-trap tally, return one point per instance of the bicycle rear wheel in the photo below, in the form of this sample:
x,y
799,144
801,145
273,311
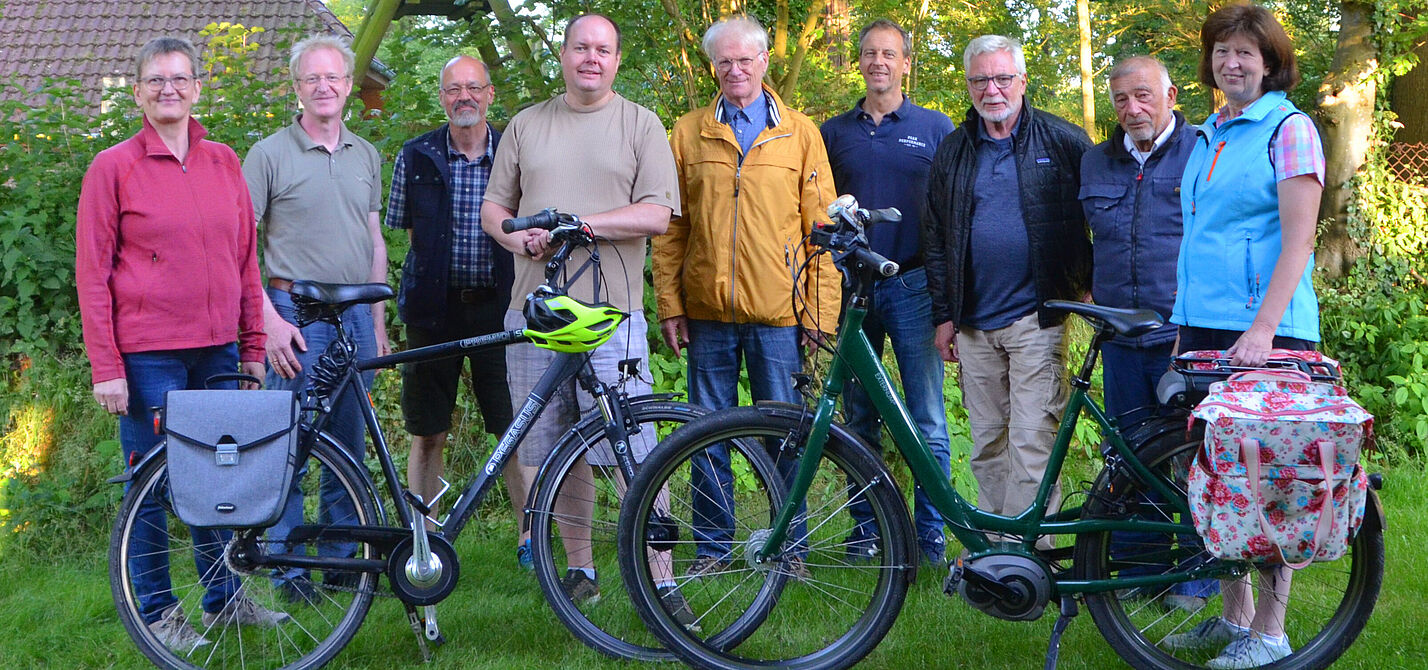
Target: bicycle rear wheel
x,y
824,602
242,619
1328,605
573,516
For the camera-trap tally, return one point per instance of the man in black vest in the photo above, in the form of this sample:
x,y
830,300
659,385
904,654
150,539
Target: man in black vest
x,y
456,280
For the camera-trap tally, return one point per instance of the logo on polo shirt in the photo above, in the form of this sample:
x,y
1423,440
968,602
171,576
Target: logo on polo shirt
x,y
912,141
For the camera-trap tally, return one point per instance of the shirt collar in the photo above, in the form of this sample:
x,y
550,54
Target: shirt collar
x,y
1160,140
901,111
154,145
724,110
305,141
490,153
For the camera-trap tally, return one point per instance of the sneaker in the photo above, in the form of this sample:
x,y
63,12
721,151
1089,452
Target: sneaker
x,y
794,567
298,591
244,612
524,556
1251,651
1186,604
678,607
173,630
934,557
579,588
706,566
341,579
1210,633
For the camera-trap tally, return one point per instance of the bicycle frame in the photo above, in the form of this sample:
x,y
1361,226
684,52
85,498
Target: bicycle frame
x,y
854,358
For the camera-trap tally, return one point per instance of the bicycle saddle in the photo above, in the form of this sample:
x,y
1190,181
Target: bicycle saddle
x,y
1126,322
342,294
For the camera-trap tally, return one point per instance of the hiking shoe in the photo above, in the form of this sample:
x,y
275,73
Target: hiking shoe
x,y
1251,651
677,606
1186,604
1210,633
244,612
524,556
173,630
706,566
579,588
794,567
298,591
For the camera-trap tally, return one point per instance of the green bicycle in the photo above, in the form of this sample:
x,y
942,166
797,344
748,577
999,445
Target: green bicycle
x,y
805,586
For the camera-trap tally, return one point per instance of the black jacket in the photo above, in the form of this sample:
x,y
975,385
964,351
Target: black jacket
x,y
422,299
1048,160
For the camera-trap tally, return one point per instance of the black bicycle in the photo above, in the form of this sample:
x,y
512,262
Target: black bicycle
x,y
351,535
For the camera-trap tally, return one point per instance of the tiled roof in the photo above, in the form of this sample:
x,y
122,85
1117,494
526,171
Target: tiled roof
x,y
93,39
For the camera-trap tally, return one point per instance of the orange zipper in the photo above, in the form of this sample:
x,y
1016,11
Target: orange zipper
x,y
1214,160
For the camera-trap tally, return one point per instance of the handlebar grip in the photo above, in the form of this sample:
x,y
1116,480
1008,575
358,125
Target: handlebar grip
x,y
874,260
887,214
545,219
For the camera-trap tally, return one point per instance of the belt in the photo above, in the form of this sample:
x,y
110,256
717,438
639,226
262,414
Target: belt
x,y
280,284
474,295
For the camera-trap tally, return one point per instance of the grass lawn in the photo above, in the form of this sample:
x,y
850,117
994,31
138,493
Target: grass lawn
x,y
59,614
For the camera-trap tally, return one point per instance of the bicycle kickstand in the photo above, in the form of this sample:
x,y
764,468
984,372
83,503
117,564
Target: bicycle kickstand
x,y
1068,611
415,620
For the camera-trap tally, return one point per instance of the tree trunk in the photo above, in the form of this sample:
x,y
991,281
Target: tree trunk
x,y
687,43
789,83
1346,101
1410,100
521,53
1088,84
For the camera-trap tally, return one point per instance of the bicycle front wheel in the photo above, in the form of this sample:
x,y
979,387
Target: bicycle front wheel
x,y
188,599
573,516
709,495
1328,602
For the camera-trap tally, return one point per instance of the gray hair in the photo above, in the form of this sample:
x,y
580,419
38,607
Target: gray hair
x,y
1128,65
316,42
165,45
886,24
743,27
991,44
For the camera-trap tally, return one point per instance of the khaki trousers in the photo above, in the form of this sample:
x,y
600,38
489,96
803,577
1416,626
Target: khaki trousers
x,y
1014,389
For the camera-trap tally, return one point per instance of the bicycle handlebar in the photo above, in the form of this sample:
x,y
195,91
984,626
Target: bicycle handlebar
x,y
546,219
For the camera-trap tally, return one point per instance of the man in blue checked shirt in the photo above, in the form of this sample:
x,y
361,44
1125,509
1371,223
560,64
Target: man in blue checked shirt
x,y
456,280
881,152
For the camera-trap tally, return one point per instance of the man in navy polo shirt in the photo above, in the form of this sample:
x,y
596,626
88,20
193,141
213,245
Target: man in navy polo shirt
x,y
881,152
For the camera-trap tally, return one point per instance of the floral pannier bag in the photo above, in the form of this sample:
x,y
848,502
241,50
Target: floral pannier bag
x,y
1278,479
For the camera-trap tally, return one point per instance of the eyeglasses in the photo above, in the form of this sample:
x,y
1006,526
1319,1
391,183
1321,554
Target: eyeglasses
x,y
331,78
1003,81
726,64
455,89
180,83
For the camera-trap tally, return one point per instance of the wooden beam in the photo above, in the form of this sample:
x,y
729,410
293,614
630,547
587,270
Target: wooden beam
x,y
370,33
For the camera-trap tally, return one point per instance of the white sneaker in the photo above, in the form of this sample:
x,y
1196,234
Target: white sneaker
x,y
1251,651
1209,634
173,630
244,612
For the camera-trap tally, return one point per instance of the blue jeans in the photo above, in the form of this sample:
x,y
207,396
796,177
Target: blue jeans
x,y
150,376
1128,377
345,423
901,310
772,356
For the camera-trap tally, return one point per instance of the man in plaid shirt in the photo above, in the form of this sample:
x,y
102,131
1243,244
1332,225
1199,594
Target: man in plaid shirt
x,y
456,281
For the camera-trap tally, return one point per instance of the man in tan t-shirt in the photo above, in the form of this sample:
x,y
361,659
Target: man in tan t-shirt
x,y
593,153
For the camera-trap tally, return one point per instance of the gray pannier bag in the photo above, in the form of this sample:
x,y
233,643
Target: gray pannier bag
x,y
231,456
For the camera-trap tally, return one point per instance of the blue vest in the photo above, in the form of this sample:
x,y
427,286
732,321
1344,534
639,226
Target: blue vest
x,y
1230,203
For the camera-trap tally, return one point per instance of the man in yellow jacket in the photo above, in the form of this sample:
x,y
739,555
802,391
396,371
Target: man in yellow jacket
x,y
754,180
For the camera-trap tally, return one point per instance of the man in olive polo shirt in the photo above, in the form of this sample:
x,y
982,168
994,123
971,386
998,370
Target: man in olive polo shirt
x,y
316,192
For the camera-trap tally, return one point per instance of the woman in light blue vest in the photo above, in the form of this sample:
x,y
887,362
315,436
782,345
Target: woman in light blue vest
x,y
1250,198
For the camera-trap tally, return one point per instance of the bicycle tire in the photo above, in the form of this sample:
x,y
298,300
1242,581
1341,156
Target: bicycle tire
x,y
608,625
828,614
317,630
1329,604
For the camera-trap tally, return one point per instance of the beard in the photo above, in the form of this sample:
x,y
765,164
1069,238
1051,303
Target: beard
x,y
1144,133
995,117
465,117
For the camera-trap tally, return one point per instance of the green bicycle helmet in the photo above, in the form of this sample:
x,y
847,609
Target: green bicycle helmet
x,y
562,323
